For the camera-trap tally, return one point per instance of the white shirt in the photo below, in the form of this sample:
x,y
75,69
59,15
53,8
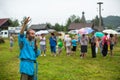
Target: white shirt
x,y
42,41
11,39
68,41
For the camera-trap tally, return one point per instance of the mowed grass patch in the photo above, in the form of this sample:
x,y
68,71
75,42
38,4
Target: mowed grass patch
x,y
62,67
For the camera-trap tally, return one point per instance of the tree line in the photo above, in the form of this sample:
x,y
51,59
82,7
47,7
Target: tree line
x,y
57,26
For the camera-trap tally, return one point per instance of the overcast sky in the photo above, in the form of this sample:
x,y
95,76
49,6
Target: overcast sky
x,y
56,11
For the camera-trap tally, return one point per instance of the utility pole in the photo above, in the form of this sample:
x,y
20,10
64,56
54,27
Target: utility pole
x,y
99,3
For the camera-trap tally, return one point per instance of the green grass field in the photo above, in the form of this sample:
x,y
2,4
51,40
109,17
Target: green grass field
x,y
62,67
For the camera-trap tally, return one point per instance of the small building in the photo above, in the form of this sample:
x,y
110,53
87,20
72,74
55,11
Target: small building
x,y
76,26
83,24
4,23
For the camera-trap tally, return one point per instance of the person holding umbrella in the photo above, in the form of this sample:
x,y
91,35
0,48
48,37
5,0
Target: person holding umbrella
x,y
93,45
99,35
105,43
84,43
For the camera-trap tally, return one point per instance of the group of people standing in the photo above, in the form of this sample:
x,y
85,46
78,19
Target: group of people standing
x,y
105,43
57,44
29,49
70,44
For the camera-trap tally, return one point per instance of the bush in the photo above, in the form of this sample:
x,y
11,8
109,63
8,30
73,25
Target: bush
x,y
2,40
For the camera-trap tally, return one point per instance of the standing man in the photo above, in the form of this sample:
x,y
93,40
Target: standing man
x,y
28,53
93,45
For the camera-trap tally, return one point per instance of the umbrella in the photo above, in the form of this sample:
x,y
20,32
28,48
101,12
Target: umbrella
x,y
73,32
51,30
62,35
110,31
99,34
42,32
86,30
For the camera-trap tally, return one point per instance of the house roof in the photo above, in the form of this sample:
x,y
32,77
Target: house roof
x,y
38,26
74,26
2,21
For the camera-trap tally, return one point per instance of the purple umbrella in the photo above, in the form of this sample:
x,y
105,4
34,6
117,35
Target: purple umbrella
x,y
86,30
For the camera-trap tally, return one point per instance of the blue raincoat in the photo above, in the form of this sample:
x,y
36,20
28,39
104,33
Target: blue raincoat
x,y
27,55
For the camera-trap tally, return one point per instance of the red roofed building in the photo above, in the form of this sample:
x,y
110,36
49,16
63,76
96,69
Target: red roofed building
x,y
4,23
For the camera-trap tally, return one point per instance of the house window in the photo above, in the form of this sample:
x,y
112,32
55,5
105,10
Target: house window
x,y
5,32
1,33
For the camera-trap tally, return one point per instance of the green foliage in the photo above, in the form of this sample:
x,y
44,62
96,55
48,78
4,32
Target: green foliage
x,y
62,67
57,27
112,21
23,22
49,25
67,24
96,21
14,23
72,19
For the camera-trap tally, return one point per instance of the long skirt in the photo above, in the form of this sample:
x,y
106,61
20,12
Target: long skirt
x,y
105,49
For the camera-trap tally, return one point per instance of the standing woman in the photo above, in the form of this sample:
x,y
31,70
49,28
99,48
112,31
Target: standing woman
x,y
68,45
74,45
43,45
84,42
60,45
112,42
105,43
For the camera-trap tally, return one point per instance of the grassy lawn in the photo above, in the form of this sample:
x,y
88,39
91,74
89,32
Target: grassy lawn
x,y
62,67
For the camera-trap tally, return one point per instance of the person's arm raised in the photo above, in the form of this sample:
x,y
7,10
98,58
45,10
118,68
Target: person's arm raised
x,y
24,25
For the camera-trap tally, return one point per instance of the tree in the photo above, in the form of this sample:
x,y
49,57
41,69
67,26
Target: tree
x,y
96,21
23,22
67,24
49,25
72,19
56,27
14,23
77,20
